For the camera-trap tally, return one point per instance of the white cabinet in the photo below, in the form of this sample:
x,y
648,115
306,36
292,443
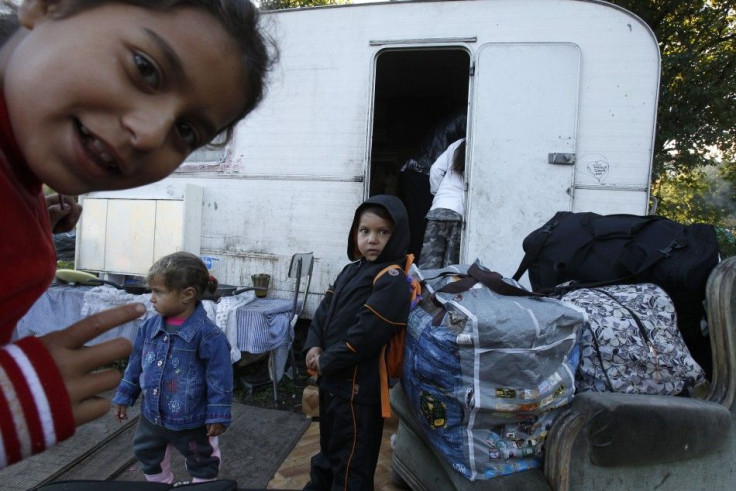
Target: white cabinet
x,y
125,235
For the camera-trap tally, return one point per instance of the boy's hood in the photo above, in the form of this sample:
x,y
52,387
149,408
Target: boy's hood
x,y
398,244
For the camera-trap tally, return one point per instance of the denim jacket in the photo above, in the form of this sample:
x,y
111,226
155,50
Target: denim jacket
x,y
186,377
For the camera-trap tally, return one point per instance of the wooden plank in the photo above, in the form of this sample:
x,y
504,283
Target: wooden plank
x,y
35,469
104,461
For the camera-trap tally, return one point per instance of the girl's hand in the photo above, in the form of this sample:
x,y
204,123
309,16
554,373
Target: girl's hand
x,y
63,214
215,429
79,364
121,412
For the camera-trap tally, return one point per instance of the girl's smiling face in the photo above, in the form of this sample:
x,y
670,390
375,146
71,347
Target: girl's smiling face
x,y
116,96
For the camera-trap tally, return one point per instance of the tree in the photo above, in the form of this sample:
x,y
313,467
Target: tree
x,y
696,115
694,174
296,4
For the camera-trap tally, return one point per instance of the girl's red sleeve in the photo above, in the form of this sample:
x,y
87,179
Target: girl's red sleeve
x,y
35,409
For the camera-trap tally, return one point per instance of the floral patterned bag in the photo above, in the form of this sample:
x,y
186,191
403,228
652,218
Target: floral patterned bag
x,y
630,342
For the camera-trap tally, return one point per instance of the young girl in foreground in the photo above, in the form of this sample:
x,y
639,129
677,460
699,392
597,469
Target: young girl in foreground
x,y
181,365
98,94
358,317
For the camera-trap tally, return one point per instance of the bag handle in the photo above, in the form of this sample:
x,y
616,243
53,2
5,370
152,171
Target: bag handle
x,y
535,247
491,279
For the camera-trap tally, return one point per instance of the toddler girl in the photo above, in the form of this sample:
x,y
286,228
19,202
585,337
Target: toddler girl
x,y
181,365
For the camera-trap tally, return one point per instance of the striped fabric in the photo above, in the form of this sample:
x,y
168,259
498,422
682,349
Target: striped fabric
x,y
264,325
27,424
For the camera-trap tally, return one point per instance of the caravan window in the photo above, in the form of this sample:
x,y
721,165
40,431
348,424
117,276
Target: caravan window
x,y
206,158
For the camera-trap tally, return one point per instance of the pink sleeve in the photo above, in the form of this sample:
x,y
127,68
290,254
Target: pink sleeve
x,y
35,410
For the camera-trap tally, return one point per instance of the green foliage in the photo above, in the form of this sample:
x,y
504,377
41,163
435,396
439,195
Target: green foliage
x,y
727,241
694,174
699,195
296,4
697,40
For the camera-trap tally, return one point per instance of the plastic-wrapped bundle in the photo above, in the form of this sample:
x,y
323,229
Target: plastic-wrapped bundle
x,y
487,379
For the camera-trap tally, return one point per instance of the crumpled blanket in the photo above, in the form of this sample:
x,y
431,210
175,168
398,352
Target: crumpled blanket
x,y
105,297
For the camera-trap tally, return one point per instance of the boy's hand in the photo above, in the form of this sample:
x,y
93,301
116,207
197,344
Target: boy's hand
x,y
63,215
312,359
215,429
120,412
78,364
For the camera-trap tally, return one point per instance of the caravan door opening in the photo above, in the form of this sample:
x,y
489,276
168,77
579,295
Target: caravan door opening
x,y
418,93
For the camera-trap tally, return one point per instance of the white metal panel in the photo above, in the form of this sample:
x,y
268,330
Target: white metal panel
x,y
525,107
122,232
90,252
191,220
609,201
167,233
255,226
129,237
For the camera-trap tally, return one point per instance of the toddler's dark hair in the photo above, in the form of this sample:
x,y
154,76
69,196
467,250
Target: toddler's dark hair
x,y
376,210
240,18
182,270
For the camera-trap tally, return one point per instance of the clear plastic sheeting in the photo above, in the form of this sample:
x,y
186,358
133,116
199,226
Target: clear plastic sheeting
x,y
487,380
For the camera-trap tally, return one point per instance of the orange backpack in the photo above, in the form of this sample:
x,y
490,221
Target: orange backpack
x,y
395,357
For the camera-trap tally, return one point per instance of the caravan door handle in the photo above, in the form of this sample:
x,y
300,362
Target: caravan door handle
x,y
560,158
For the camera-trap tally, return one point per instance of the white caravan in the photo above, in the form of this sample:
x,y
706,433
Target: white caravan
x,y
560,97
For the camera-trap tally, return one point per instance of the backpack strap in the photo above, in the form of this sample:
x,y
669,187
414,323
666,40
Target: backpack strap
x,y
415,286
407,265
384,271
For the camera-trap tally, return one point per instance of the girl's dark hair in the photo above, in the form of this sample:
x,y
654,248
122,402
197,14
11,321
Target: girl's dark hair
x,y
458,160
240,18
182,270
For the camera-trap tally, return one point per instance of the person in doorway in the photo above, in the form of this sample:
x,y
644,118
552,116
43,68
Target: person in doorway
x,y
352,324
181,364
98,94
441,245
413,182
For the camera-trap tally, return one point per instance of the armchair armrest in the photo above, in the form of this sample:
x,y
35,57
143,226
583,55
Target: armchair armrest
x,y
627,429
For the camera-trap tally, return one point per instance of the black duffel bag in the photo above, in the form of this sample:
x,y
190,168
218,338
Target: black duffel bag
x,y
594,250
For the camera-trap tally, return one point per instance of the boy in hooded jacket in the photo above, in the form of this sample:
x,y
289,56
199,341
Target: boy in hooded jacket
x,y
351,326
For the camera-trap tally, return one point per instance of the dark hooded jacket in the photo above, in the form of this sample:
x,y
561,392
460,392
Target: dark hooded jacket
x,y
356,318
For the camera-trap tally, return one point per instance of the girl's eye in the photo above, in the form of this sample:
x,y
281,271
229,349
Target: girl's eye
x,y
147,70
187,133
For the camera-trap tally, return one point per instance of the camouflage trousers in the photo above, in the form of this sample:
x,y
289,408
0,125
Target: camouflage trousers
x,y
441,246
